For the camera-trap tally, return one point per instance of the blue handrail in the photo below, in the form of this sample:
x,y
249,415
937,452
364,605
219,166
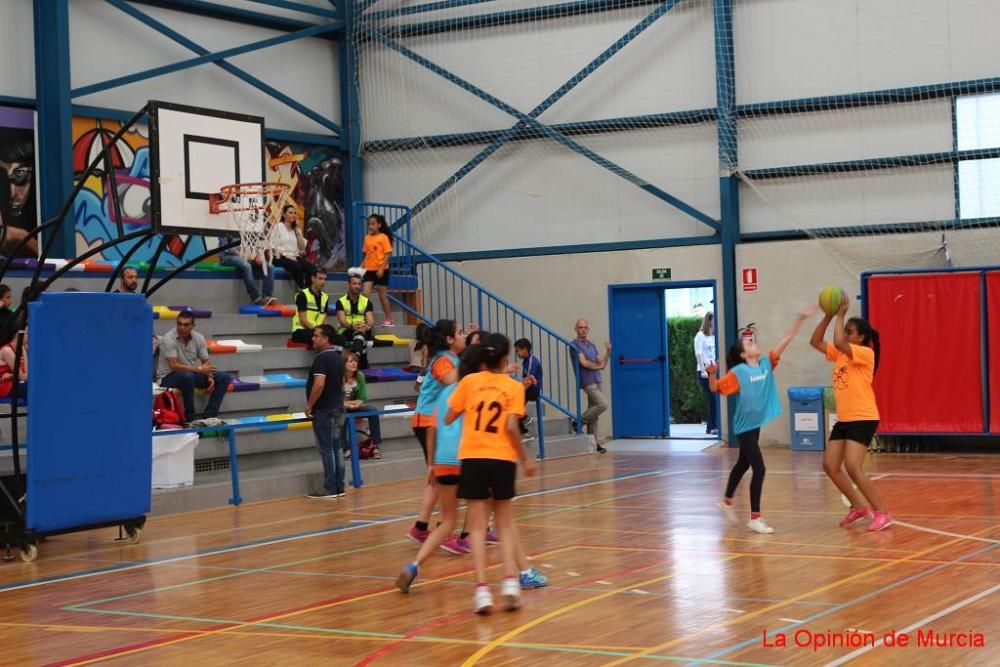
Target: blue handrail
x,y
447,294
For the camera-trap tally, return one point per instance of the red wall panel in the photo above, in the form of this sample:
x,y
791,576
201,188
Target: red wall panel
x,y
993,338
930,375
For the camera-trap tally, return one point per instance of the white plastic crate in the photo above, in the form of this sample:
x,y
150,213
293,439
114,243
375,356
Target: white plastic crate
x,y
173,460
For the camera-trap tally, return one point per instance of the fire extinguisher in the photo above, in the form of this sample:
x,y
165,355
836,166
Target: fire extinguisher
x,y
748,333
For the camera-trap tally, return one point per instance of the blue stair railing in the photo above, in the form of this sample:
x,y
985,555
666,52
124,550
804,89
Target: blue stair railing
x,y
448,294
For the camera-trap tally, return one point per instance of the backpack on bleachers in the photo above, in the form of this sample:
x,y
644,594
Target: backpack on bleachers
x,y
168,411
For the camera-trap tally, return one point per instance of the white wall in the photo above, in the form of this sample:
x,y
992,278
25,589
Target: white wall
x,y
558,289
17,49
106,43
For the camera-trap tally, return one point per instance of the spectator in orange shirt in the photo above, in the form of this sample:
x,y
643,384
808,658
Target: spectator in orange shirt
x,y
378,248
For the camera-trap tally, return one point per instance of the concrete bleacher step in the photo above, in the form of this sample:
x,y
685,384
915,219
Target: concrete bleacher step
x,y
296,478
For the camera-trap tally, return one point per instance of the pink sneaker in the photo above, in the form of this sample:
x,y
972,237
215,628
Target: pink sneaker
x,y
882,520
856,515
417,535
456,545
492,537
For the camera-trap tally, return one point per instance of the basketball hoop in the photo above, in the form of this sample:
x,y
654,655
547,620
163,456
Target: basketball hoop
x,y
254,209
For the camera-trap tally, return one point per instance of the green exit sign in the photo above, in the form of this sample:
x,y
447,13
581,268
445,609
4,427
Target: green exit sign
x,y
661,274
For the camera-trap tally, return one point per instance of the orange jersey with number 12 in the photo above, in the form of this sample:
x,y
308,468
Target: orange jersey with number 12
x,y
487,400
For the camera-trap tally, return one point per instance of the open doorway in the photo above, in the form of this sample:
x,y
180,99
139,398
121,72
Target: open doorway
x,y
654,372
690,322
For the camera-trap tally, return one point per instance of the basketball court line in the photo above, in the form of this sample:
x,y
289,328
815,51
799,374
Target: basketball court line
x,y
988,540
918,624
849,603
821,589
945,475
42,581
475,657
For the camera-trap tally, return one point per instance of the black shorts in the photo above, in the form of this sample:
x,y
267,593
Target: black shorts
x,y
372,277
487,478
447,480
421,433
858,431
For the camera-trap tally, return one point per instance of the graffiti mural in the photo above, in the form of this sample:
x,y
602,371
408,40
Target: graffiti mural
x,y
96,219
315,176
18,190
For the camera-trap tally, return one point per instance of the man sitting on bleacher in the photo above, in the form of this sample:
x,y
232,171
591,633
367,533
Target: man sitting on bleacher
x,y
356,319
184,365
310,307
129,281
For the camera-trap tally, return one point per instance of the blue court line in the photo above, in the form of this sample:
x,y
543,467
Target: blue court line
x,y
129,565
850,603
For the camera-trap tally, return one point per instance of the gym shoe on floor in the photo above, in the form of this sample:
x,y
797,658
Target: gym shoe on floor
x,y
855,515
510,594
417,535
759,526
533,579
388,323
406,577
492,537
322,494
727,511
483,600
882,520
456,545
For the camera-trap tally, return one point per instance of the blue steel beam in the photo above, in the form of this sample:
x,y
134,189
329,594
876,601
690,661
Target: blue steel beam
x,y
895,162
172,34
525,132
511,17
729,184
298,7
421,9
350,113
870,98
208,58
866,230
529,120
576,249
232,14
270,133
54,162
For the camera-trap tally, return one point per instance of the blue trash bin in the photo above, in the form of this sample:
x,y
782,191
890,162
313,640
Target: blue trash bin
x,y
805,406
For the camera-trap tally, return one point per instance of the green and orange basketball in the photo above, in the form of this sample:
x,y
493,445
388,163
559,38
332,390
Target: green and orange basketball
x,y
830,299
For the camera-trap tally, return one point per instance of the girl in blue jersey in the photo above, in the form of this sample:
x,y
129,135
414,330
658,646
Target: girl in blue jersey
x,y
751,379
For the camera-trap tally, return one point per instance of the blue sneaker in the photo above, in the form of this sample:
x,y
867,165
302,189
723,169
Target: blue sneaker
x,y
533,579
406,577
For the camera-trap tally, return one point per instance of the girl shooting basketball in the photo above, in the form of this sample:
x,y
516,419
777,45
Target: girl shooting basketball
x,y
751,378
854,353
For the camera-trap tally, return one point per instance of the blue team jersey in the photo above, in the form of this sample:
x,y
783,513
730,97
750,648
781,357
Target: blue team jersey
x,y
448,436
757,402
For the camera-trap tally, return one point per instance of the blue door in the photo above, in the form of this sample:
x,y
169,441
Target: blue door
x,y
638,363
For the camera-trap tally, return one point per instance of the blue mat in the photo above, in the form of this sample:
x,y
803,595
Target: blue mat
x,y
91,442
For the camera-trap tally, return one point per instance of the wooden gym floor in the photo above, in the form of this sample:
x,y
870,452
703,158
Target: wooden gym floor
x,y
642,569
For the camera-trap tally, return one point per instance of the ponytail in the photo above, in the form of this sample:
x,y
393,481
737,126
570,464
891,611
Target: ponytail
x,y
436,338
734,356
495,348
383,226
470,361
869,337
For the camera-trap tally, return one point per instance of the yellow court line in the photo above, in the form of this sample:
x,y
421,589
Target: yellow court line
x,y
271,619
778,605
475,657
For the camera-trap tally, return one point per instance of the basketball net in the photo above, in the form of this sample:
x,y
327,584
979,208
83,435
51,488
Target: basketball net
x,y
254,209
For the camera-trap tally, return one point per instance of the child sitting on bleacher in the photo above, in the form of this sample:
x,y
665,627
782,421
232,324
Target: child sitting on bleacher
x,y
8,340
355,397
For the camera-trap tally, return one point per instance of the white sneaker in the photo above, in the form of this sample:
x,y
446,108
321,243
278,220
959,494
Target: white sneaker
x,y
483,600
759,526
510,594
728,512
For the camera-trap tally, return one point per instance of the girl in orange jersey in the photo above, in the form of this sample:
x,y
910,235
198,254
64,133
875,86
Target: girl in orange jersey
x,y
854,353
492,403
